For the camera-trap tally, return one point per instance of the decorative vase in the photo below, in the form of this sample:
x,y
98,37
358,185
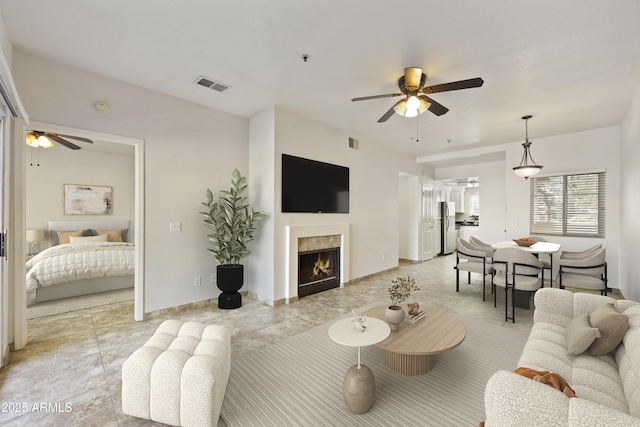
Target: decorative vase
x,y
394,315
230,278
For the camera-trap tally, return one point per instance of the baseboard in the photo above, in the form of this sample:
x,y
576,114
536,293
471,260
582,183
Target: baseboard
x,y
369,276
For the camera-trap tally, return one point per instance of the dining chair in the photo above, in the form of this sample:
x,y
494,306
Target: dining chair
x,y
581,254
478,242
517,270
545,258
472,259
589,272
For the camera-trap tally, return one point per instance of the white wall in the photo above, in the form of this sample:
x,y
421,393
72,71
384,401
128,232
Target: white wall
x,y
373,215
409,217
630,201
260,280
188,148
59,166
574,152
492,195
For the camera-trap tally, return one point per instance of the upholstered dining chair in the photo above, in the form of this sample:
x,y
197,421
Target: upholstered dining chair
x,y
517,270
480,243
589,272
545,258
472,259
586,253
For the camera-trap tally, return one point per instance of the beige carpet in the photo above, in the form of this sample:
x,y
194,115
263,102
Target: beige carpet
x,y
78,303
298,382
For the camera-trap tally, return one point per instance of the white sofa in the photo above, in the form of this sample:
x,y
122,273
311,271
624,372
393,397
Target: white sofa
x,y
607,386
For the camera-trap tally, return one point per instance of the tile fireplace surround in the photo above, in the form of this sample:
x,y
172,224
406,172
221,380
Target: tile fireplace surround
x,y
295,232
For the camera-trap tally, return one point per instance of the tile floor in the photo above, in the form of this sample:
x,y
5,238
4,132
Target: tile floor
x,y
70,371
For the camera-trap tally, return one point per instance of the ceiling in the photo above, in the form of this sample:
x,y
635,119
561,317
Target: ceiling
x,y
572,64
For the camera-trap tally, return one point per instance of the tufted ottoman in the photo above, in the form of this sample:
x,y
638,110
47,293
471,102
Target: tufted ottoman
x,y
179,376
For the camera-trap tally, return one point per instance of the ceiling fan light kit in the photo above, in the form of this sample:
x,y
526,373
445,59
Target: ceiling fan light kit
x,y
38,139
415,101
527,166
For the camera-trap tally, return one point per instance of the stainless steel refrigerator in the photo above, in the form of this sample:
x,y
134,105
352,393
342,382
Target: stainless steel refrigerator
x,y
447,223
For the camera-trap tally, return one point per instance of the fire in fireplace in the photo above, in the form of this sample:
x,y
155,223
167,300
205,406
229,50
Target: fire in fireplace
x,y
318,271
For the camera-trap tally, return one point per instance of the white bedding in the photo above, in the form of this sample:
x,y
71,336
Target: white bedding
x,y
71,262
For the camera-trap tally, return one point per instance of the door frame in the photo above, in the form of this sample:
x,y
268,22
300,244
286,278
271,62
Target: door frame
x,y
19,162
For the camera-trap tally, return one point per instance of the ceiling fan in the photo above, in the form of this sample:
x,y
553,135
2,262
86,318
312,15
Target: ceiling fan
x,y
415,99
37,138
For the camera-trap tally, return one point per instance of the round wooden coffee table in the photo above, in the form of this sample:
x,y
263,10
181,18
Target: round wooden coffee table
x,y
412,348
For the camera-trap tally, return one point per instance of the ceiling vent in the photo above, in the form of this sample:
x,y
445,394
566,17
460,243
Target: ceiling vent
x,y
211,84
353,143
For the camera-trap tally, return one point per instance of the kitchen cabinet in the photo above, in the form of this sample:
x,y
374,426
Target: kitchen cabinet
x,y
467,231
457,197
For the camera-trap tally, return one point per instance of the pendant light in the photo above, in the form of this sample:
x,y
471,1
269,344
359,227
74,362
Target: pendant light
x,y
527,166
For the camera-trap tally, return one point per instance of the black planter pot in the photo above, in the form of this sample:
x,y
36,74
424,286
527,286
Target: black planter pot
x,y
230,278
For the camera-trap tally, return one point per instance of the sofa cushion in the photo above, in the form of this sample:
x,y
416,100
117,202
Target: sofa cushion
x,y
595,378
612,326
580,335
627,356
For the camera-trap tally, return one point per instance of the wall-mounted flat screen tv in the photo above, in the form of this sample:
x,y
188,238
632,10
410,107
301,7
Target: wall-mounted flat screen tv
x,y
313,186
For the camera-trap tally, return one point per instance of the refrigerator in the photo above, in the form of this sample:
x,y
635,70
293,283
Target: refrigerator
x,y
447,225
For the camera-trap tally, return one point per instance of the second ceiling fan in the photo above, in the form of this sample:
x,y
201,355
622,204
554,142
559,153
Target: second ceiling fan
x,y
416,101
37,138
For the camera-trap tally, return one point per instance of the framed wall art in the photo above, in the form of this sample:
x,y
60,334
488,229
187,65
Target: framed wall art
x,y
88,199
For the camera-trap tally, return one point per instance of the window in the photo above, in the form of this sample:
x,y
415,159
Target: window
x,y
569,205
474,204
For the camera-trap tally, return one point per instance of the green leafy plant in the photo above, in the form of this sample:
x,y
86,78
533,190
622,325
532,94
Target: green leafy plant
x,y
401,289
231,220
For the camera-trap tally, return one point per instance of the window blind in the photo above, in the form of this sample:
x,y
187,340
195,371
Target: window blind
x,y
569,205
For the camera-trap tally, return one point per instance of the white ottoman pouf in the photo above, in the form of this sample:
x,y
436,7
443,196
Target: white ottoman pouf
x,y
179,376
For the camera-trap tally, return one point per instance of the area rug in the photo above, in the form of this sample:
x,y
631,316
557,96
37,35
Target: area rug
x,y
78,303
298,382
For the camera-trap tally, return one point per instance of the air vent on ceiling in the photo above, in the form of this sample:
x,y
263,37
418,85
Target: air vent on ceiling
x,y
211,84
353,143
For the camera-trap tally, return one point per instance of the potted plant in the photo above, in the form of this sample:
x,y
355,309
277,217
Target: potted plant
x,y
400,290
232,222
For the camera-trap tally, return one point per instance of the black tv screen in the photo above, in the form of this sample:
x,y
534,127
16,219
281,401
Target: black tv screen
x,y
313,186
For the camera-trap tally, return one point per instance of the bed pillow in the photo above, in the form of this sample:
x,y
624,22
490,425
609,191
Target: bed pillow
x,y
579,335
612,326
87,239
63,236
113,235
56,241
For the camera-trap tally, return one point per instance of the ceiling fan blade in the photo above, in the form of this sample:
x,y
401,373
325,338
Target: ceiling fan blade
x,y
64,142
79,138
412,77
388,95
462,84
389,113
435,107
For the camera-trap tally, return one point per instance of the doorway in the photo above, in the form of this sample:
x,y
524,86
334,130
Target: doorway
x,y
428,224
138,220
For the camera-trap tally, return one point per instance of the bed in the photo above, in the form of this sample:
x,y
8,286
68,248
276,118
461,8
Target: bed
x,y
85,258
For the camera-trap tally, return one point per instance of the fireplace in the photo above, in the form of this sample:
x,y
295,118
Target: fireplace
x,y
318,270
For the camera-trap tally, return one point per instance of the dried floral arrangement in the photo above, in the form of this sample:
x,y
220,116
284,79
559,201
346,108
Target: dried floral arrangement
x,y
401,289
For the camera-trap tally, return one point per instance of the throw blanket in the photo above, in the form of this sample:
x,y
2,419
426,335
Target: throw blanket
x,y
545,377
549,378
70,262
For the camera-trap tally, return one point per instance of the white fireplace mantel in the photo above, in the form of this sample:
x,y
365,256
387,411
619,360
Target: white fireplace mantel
x,y
294,232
